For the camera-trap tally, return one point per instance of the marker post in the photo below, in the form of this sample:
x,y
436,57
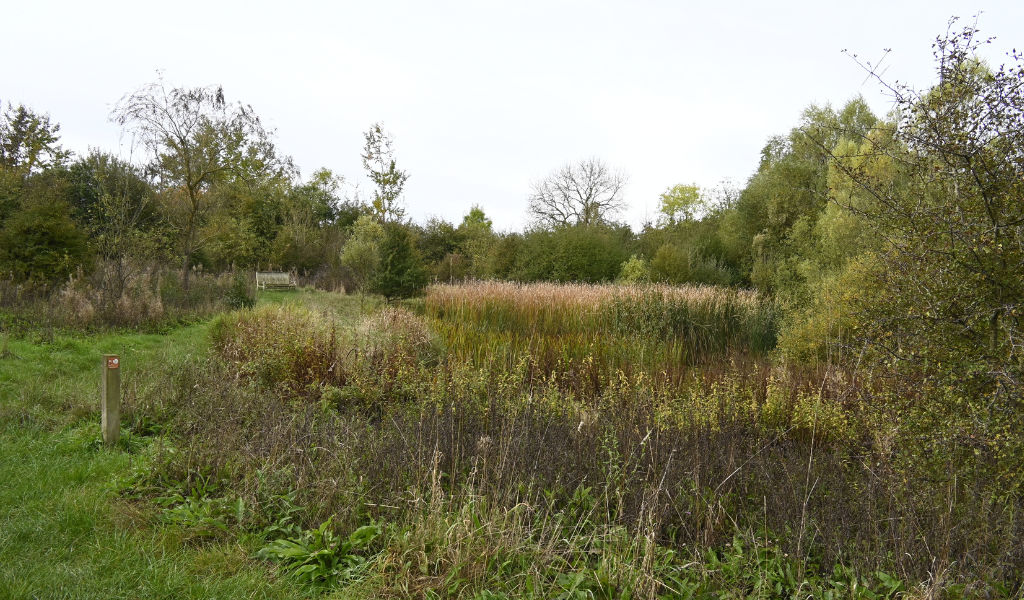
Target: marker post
x,y
110,399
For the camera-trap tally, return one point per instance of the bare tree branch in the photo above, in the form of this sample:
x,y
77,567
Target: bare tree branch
x,y
585,193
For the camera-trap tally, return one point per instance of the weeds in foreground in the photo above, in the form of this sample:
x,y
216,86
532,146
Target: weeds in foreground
x,y
318,559
503,481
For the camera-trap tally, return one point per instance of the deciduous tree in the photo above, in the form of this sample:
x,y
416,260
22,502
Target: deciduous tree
x,y
478,239
943,188
41,242
115,202
680,202
29,143
195,139
588,192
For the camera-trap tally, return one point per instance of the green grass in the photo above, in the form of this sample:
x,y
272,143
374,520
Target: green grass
x,y
64,534
64,530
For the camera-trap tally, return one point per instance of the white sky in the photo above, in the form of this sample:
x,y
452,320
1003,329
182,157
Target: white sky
x,y
483,97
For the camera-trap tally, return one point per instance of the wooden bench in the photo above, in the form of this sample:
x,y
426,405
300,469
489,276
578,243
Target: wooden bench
x,y
274,280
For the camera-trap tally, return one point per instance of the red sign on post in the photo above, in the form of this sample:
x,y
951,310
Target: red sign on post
x,y
113,362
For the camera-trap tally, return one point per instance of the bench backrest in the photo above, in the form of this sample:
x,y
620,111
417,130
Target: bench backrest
x,y
273,278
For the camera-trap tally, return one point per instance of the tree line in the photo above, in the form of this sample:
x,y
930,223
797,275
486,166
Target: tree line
x,y
213,193
926,200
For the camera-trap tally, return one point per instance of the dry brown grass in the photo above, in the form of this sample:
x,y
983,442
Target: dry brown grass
x,y
533,300
149,298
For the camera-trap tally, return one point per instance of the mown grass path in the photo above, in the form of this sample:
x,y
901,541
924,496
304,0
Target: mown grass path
x,y
64,531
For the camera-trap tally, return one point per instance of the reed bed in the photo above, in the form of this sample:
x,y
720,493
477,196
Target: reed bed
x,y
599,332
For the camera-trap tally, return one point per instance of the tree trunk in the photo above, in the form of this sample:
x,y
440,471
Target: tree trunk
x,y
186,266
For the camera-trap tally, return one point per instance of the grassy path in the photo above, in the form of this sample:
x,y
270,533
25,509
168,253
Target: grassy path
x,y
64,533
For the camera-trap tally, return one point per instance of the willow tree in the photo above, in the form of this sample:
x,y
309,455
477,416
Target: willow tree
x,y
195,140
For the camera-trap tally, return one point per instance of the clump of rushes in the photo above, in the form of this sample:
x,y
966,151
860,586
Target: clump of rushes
x,y
281,345
301,353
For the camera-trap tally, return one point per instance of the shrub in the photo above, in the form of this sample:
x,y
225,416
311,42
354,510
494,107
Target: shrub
x,y
571,254
634,270
361,253
670,265
241,294
42,243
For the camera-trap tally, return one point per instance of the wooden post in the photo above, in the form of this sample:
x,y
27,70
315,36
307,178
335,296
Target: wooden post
x,y
110,399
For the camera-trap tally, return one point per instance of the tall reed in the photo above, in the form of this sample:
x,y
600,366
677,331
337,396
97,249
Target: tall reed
x,y
600,331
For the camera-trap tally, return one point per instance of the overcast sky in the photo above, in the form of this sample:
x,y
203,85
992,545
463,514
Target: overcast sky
x,y
483,97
